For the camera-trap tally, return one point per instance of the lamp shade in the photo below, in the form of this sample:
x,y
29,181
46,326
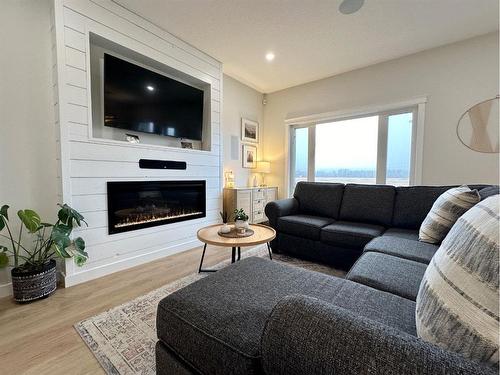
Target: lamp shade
x,y
263,167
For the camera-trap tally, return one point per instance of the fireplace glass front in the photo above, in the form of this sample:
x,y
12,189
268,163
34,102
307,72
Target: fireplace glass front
x,y
142,204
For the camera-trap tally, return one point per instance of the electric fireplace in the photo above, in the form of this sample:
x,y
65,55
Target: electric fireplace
x,y
142,204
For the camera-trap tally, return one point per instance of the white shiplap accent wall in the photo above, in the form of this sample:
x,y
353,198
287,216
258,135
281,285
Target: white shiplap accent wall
x,y
86,163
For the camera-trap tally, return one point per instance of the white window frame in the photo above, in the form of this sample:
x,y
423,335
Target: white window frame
x,y
417,106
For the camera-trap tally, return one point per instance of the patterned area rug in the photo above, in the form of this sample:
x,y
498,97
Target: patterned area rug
x,y
123,338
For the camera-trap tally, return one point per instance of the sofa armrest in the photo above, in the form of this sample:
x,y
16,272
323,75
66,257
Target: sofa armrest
x,y
304,335
282,207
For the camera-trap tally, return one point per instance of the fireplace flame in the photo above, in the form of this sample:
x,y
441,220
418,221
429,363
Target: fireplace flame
x,y
162,215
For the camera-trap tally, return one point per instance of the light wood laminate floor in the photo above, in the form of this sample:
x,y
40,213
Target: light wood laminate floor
x,y
39,338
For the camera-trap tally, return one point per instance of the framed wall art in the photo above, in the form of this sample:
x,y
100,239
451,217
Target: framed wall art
x,y
249,131
249,156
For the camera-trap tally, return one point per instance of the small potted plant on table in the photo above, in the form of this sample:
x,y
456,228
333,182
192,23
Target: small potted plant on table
x,y
34,272
240,219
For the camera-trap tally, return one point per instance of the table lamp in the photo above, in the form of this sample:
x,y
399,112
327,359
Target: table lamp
x,y
229,179
263,167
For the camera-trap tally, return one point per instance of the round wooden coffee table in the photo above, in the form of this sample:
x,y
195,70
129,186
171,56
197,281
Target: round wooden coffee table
x,y
209,236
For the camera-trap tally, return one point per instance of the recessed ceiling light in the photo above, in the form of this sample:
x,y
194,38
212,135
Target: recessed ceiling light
x,y
150,88
269,56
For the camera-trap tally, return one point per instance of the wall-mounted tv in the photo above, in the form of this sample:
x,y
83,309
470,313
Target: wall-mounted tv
x,y
141,100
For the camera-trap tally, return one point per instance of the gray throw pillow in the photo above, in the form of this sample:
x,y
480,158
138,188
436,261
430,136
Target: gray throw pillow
x,y
457,303
445,211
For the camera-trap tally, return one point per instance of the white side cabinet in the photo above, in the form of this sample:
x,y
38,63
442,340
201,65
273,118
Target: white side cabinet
x,y
252,199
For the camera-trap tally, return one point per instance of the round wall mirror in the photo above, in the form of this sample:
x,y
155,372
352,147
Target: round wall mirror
x,y
478,128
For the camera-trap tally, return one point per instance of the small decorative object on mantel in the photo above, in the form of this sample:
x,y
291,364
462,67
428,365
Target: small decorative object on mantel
x,y
249,131
131,138
249,156
263,167
34,272
478,127
225,228
240,219
186,144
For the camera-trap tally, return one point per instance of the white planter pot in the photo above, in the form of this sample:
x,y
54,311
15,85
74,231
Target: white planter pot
x,y
225,228
241,224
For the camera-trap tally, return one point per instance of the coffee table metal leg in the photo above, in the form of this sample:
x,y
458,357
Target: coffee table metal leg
x,y
239,253
201,262
269,249
233,255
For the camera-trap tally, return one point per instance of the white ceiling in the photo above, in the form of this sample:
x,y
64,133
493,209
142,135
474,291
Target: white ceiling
x,y
310,38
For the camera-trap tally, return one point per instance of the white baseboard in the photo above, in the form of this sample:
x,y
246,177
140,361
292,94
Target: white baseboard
x,y
120,265
5,290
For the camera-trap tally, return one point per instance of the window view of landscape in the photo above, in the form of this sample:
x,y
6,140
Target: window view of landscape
x,y
301,150
399,149
346,151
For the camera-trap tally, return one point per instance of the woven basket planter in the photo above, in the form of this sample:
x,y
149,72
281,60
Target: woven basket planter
x,y
30,286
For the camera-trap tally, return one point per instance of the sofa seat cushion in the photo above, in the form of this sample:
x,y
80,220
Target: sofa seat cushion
x,y
410,234
350,234
391,274
217,322
402,247
306,226
386,308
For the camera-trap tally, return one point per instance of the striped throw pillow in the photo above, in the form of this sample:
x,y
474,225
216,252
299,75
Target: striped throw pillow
x,y
457,303
445,211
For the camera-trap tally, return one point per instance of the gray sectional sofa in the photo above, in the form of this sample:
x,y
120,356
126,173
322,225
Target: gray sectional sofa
x,y
332,223
259,316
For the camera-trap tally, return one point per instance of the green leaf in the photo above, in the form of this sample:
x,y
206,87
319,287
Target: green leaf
x,y
80,245
4,216
80,260
4,259
60,251
67,215
30,219
63,229
3,211
60,237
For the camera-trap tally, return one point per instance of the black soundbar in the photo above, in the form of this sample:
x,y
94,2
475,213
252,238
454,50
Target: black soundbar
x,y
161,164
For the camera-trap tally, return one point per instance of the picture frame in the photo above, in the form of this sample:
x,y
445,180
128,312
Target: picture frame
x,y
249,156
249,130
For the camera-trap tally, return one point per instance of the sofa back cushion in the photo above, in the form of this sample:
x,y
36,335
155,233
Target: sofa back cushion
x,y
489,191
457,302
368,203
413,203
318,198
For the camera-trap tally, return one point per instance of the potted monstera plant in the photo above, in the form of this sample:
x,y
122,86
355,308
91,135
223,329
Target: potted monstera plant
x,y
33,256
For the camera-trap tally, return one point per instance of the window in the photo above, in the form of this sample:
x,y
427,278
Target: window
x,y
376,148
346,151
300,158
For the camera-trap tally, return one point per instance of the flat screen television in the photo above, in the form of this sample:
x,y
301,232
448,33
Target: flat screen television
x,y
141,100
